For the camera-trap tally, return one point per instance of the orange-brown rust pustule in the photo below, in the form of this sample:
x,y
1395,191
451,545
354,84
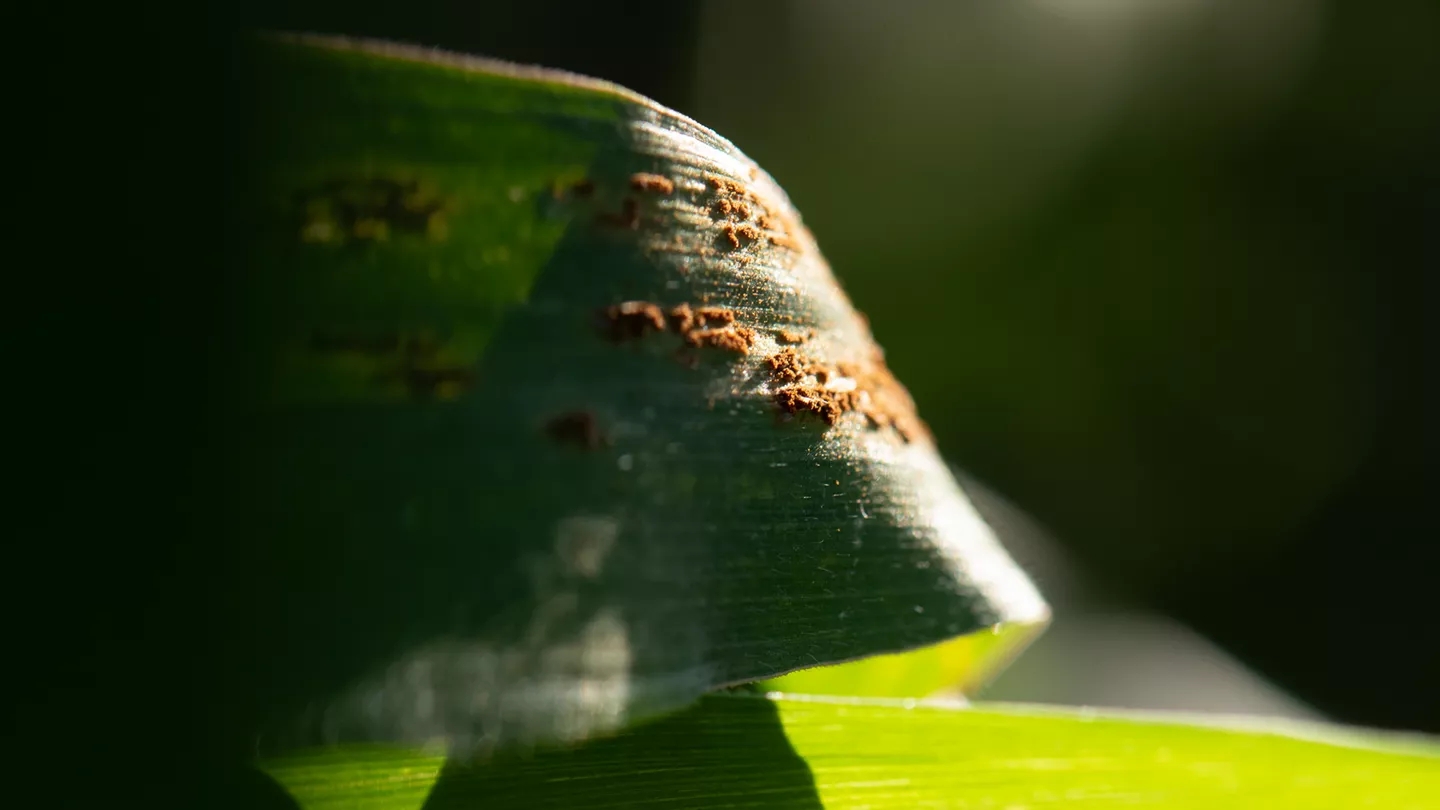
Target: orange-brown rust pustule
x,y
706,326
715,315
736,236
828,405
875,395
735,201
726,208
682,318
787,366
725,185
737,339
652,183
633,319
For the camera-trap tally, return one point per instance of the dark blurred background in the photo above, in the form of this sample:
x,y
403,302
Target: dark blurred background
x,y
1156,270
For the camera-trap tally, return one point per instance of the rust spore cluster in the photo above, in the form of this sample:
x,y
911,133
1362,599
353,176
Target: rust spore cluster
x,y
802,385
704,326
743,216
735,206
726,185
738,236
801,380
628,217
726,208
645,182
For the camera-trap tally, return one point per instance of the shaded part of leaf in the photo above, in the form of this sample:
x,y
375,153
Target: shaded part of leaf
x,y
697,758
687,760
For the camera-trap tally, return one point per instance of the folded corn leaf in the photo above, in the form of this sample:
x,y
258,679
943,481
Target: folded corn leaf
x,y
542,414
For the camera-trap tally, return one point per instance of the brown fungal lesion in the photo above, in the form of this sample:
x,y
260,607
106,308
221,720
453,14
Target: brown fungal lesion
x,y
737,339
804,385
699,327
648,183
735,204
629,215
827,405
726,185
367,210
629,320
788,366
737,236
802,379
681,318
684,319
744,217
800,383
726,208
578,428
708,315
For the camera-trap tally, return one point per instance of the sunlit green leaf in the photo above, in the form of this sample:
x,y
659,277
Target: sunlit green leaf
x,y
739,751
958,666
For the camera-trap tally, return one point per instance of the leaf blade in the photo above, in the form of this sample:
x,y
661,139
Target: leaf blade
x,y
545,496
736,751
